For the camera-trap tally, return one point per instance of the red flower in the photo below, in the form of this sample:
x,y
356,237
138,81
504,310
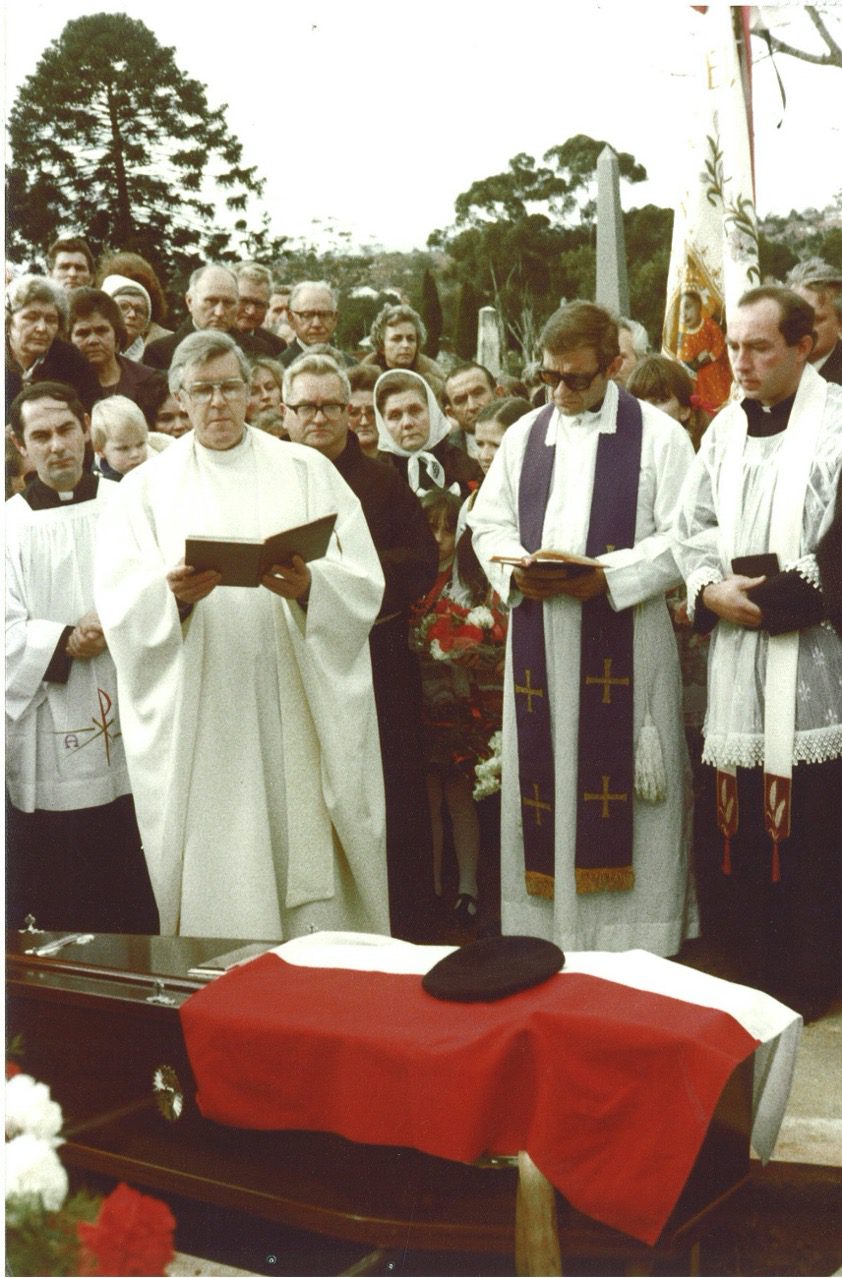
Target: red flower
x,y
133,1234
439,629
12,1068
467,637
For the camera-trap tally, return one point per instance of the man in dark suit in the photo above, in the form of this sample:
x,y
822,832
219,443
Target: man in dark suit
x,y
254,283
821,286
313,312
316,395
212,298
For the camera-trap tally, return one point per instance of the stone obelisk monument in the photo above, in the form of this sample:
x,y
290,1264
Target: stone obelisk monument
x,y
612,280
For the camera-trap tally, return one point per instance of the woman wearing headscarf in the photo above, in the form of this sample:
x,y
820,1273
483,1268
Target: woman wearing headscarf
x,y
136,307
413,431
123,264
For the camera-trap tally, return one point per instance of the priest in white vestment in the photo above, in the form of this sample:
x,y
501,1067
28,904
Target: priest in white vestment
x,y
249,718
74,857
580,356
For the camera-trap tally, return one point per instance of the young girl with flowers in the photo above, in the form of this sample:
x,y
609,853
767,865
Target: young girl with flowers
x,y
461,645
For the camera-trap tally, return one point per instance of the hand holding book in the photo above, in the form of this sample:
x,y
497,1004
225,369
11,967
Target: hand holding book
x,y
547,573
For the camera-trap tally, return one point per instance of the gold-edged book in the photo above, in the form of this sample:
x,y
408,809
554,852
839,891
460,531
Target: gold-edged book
x,y
560,561
242,561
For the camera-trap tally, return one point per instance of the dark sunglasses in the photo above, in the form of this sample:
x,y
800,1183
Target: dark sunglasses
x,y
573,381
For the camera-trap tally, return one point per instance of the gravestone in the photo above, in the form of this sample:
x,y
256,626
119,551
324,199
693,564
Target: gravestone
x,y
488,340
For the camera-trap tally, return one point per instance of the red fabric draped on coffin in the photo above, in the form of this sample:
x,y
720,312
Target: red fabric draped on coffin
x,y
608,1088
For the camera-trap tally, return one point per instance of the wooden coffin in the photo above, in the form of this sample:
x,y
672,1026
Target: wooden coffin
x,y
100,1025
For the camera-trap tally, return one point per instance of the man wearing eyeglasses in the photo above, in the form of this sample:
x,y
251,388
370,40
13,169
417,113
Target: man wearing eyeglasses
x,y
313,312
250,723
317,395
594,805
254,285
212,298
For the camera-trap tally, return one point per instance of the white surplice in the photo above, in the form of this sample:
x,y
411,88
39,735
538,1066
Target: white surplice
x,y
250,728
63,744
659,911
726,511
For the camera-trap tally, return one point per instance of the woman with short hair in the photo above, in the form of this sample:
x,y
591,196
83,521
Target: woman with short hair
x,y
397,336
36,315
99,333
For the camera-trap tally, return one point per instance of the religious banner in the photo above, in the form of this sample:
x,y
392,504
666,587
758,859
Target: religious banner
x,y
714,245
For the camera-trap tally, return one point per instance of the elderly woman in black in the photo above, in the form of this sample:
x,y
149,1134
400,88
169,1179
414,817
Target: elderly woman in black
x,y
36,313
98,331
413,432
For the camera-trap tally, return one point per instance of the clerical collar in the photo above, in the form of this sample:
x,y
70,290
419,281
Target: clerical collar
x,y
767,421
587,416
41,497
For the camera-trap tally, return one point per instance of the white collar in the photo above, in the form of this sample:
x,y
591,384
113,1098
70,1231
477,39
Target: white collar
x,y
604,418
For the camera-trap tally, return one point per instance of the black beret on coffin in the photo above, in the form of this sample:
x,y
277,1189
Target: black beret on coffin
x,y
490,969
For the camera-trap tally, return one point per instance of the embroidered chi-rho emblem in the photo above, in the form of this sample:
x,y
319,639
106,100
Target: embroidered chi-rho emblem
x,y
102,729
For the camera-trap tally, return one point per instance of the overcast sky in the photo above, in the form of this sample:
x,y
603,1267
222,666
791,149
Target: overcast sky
x,y
432,102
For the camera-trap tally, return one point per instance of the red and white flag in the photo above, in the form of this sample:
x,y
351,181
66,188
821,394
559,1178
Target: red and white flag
x,y
607,1074
714,244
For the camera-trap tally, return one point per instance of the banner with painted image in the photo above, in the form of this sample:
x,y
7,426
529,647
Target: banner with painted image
x,y
714,245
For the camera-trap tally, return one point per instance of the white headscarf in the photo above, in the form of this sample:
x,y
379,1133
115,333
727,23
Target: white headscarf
x,y
440,428
114,284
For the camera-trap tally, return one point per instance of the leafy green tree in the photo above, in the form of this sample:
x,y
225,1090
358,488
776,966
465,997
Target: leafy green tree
x,y
525,238
110,139
562,186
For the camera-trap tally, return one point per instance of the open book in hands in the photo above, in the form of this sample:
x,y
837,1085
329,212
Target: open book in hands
x,y
243,561
560,561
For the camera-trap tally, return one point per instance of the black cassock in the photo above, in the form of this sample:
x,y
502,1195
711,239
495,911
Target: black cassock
x,y
409,558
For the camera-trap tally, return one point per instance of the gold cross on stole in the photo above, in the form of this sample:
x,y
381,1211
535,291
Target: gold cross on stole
x,y
607,680
605,798
537,803
528,691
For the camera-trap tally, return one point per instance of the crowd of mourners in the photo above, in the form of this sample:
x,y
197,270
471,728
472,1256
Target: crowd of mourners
x,y
568,663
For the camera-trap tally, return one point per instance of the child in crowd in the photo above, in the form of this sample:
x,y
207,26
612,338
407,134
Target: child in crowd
x,y
667,384
454,641
120,437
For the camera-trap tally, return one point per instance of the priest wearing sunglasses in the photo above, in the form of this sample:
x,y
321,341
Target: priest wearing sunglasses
x,y
573,525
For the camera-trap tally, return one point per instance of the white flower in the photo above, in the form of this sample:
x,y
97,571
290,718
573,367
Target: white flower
x,y
33,1171
488,771
481,616
436,651
30,1109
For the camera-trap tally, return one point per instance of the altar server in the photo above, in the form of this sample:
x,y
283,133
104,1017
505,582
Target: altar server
x,y
74,857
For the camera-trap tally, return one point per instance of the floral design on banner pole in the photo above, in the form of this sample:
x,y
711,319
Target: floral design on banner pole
x,y
714,256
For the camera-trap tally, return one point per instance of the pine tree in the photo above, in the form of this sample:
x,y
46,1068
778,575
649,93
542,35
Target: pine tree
x,y
109,139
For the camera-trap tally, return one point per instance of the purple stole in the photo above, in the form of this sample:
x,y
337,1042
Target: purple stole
x,y
605,769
